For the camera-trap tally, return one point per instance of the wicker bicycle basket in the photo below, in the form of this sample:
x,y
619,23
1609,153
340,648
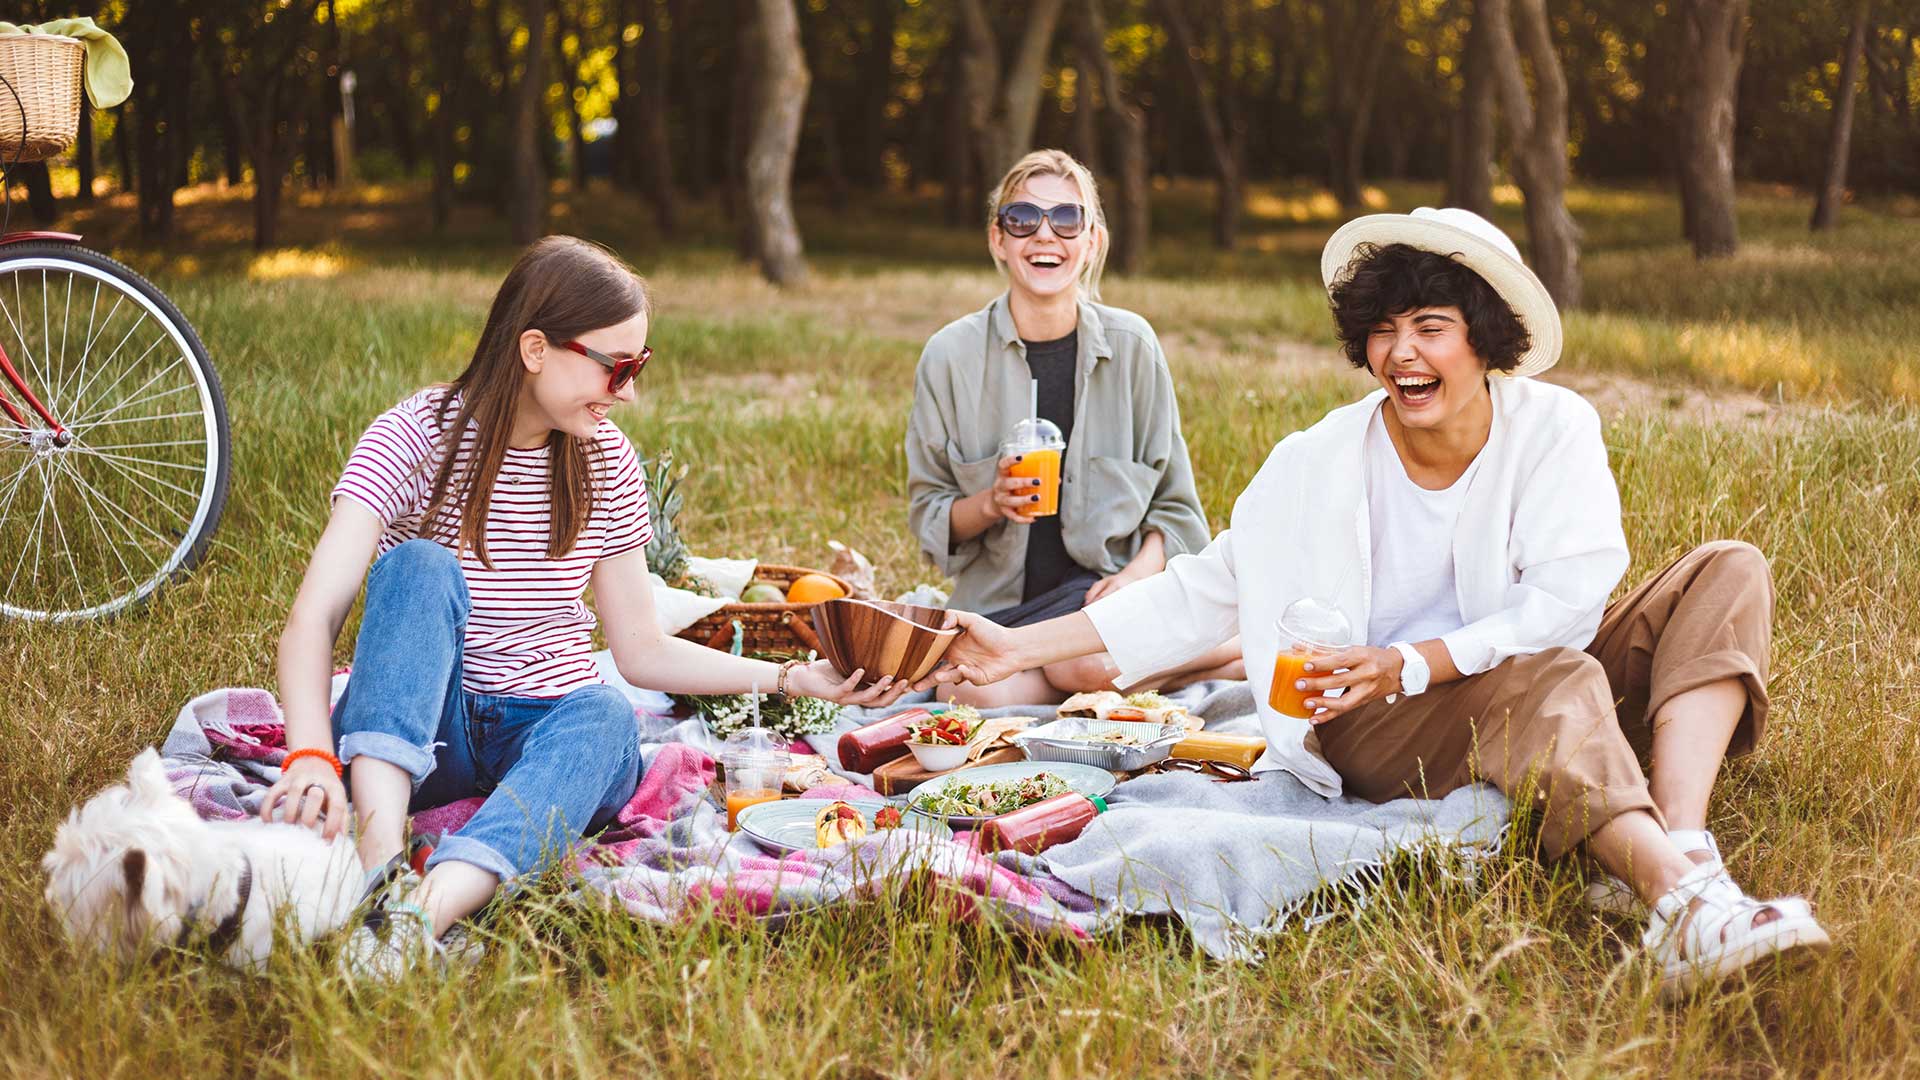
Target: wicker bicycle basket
x,y
766,628
45,73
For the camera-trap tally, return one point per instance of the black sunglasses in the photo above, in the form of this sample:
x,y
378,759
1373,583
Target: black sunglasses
x,y
1024,218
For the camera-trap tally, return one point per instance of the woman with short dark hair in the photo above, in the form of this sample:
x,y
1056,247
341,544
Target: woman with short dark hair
x,y
1463,520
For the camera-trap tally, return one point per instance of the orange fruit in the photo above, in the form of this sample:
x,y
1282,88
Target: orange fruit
x,y
814,588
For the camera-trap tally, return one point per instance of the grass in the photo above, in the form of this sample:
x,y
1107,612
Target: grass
x,y
792,406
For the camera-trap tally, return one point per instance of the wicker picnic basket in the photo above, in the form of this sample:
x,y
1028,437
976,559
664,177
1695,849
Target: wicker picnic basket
x,y
41,116
766,628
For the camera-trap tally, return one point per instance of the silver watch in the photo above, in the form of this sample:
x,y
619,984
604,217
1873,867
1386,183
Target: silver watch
x,y
1415,673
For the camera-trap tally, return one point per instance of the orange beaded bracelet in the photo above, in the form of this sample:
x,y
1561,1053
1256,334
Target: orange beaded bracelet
x,y
314,752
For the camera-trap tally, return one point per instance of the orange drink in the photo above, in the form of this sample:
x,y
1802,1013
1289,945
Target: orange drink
x,y
740,800
1307,630
1045,466
1289,666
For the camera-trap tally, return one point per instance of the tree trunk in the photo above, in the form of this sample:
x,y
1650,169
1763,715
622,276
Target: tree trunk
x,y
1002,111
1086,121
449,46
1537,130
1356,32
1226,167
1470,168
875,89
1128,227
570,82
780,103
656,164
957,145
1833,191
527,190
740,97
83,154
1713,41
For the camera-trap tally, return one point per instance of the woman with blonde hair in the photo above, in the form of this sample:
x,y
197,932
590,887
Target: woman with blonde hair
x,y
1126,499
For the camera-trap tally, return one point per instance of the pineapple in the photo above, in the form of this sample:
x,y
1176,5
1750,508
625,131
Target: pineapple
x,y
666,552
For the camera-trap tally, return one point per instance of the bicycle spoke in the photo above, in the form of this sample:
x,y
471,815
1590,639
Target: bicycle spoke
x,y
113,461
168,541
66,545
183,387
149,419
104,366
143,445
37,518
111,544
81,395
27,366
129,369
101,416
65,314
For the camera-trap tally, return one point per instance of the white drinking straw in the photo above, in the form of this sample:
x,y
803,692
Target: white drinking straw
x,y
1033,398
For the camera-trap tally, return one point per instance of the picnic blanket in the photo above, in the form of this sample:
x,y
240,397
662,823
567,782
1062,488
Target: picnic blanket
x,y
1235,862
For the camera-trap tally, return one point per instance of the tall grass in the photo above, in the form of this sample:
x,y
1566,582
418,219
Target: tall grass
x,y
791,407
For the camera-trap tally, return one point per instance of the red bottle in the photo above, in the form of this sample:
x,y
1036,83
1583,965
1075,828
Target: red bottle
x,y
1033,829
865,749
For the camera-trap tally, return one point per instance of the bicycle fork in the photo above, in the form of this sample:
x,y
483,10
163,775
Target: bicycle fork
x,y
61,436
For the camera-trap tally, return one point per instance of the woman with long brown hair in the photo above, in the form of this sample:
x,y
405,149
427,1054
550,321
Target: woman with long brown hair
x,y
491,503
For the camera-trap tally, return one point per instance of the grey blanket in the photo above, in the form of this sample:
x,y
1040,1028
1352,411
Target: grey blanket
x,y
1241,860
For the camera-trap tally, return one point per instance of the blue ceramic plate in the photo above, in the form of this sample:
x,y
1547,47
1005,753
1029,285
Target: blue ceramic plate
x,y
787,825
1086,779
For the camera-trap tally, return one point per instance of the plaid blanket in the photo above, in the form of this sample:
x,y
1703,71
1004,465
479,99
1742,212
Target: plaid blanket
x,y
1234,861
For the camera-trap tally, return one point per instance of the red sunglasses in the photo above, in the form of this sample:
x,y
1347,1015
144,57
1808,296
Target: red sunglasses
x,y
620,372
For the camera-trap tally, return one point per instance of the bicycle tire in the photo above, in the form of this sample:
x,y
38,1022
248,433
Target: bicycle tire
x,y
208,510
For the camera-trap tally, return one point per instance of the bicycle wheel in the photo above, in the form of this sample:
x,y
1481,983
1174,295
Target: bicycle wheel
x,y
95,520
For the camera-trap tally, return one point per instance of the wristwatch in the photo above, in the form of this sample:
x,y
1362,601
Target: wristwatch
x,y
1415,672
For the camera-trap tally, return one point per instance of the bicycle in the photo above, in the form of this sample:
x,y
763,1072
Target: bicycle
x,y
114,442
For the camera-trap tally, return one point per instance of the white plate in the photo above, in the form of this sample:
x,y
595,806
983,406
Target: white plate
x,y
1085,779
787,825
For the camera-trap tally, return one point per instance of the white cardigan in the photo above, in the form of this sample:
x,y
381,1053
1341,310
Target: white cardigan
x,y
1537,551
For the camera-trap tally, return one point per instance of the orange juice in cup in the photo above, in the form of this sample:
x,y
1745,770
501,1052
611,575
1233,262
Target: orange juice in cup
x,y
740,800
1038,445
756,763
1307,629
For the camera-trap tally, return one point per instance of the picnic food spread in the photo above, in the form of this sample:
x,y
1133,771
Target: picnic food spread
x,y
952,727
865,749
962,799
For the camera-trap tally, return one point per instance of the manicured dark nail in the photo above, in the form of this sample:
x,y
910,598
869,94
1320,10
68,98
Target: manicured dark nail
x,y
1033,498
1036,481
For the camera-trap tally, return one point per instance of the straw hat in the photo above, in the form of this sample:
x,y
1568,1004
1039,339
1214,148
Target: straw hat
x,y
1480,246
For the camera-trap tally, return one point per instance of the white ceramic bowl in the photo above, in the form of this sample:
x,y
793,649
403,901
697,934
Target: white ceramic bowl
x,y
939,757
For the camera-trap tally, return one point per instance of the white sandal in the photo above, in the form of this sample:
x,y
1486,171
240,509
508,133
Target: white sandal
x,y
1701,945
1611,896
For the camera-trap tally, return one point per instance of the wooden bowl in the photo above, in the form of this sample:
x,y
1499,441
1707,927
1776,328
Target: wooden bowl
x,y
881,637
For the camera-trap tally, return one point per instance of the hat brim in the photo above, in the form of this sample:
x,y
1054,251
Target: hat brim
x,y
1510,277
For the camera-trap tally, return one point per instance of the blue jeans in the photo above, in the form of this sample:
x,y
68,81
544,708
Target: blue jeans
x,y
552,769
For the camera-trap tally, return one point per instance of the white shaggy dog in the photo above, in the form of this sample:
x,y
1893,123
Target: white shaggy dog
x,y
135,870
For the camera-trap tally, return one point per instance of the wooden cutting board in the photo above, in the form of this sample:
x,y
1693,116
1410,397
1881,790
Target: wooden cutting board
x,y
903,774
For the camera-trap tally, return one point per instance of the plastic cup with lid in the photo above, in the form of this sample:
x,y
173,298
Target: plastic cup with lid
x,y
756,763
1038,445
1307,628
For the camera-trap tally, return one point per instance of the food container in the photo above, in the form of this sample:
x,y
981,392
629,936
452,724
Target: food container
x,y
1241,750
1055,742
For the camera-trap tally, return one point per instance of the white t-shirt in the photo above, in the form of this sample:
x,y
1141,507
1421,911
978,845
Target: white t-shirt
x,y
1414,598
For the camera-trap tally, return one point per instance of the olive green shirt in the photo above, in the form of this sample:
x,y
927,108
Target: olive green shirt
x,y
1125,473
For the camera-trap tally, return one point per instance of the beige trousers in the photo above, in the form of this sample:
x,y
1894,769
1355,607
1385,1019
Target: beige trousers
x,y
1562,727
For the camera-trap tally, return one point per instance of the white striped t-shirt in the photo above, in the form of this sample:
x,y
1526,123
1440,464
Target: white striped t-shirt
x,y
529,633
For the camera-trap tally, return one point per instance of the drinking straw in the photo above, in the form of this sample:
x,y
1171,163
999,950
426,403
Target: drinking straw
x,y
1033,399
753,702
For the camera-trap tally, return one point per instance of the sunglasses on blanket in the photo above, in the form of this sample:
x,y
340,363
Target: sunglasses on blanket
x,y
1024,218
1222,772
620,370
